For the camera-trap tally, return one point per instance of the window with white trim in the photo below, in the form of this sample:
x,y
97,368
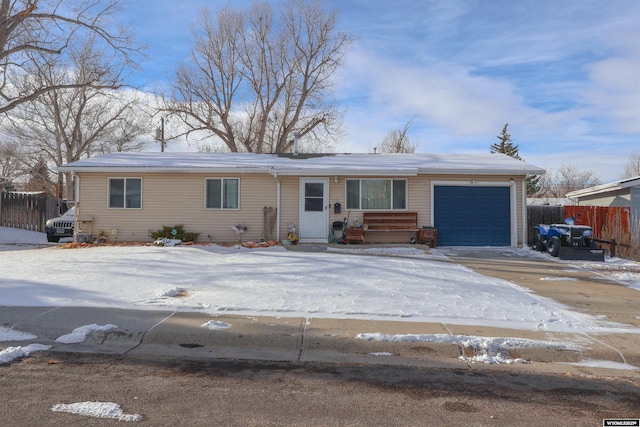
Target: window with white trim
x,y
125,193
378,194
222,193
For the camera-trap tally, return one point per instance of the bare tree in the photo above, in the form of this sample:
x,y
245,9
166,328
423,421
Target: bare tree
x,y
10,161
72,121
565,179
632,168
253,79
33,32
38,177
397,141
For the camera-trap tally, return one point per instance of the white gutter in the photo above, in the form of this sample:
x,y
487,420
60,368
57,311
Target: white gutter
x,y
472,171
315,171
247,170
137,169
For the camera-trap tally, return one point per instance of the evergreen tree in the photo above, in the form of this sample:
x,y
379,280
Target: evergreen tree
x,y
506,146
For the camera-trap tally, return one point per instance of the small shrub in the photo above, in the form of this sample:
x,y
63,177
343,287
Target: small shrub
x,y
180,234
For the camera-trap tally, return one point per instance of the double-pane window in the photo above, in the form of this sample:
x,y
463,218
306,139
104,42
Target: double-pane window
x,y
222,193
125,193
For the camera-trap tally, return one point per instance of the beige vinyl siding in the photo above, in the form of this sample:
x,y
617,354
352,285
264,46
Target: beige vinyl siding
x,y
289,207
177,198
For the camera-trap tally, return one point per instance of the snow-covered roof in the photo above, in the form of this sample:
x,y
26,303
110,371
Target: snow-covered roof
x,y
318,164
605,188
550,201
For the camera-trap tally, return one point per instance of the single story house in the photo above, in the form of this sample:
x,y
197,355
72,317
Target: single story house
x,y
472,200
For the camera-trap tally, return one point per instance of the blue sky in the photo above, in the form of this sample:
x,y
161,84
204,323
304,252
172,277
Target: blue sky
x,y
565,74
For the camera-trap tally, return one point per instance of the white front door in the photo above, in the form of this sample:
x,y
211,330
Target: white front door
x,y
314,210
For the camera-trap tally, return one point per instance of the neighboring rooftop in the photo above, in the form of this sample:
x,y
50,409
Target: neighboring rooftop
x,y
605,188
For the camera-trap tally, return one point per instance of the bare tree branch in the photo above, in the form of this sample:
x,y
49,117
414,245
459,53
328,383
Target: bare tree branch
x,y
397,141
74,120
34,32
565,179
632,168
254,78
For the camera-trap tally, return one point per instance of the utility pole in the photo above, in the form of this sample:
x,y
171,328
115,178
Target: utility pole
x,y
160,135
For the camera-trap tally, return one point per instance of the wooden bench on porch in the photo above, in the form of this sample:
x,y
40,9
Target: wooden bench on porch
x,y
384,222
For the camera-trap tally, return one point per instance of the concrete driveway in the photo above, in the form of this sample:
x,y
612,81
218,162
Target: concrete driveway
x,y
580,289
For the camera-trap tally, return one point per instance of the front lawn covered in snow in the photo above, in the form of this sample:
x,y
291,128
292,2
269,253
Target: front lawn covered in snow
x,y
391,284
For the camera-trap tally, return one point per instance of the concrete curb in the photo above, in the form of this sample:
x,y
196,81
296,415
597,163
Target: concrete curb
x,y
298,340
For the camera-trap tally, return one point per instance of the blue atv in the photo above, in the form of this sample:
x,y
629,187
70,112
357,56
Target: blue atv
x,y
567,241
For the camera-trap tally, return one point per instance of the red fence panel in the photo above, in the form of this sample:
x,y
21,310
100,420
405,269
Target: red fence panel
x,y
601,218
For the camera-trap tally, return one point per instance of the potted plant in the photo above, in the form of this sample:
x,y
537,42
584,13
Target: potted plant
x,y
292,236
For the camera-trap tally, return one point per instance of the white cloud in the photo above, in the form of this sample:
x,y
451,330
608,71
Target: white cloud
x,y
615,91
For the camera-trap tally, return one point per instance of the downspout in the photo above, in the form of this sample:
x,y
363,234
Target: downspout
x,y
525,219
513,201
275,175
76,194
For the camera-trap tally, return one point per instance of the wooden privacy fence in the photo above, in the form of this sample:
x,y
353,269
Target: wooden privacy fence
x,y
29,211
600,218
542,215
611,225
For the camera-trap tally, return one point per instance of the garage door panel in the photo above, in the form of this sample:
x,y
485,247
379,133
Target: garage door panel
x,y
472,215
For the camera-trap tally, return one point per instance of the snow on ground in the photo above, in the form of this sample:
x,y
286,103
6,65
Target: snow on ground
x,y
397,283
80,334
7,334
366,284
106,410
11,353
12,239
488,350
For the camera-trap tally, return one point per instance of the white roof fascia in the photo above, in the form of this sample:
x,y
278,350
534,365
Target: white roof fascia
x,y
294,172
475,172
256,170
630,182
164,169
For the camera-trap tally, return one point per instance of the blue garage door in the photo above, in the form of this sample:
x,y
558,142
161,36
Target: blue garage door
x,y
472,216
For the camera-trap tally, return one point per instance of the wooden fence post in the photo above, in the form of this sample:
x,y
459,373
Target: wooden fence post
x,y
613,247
